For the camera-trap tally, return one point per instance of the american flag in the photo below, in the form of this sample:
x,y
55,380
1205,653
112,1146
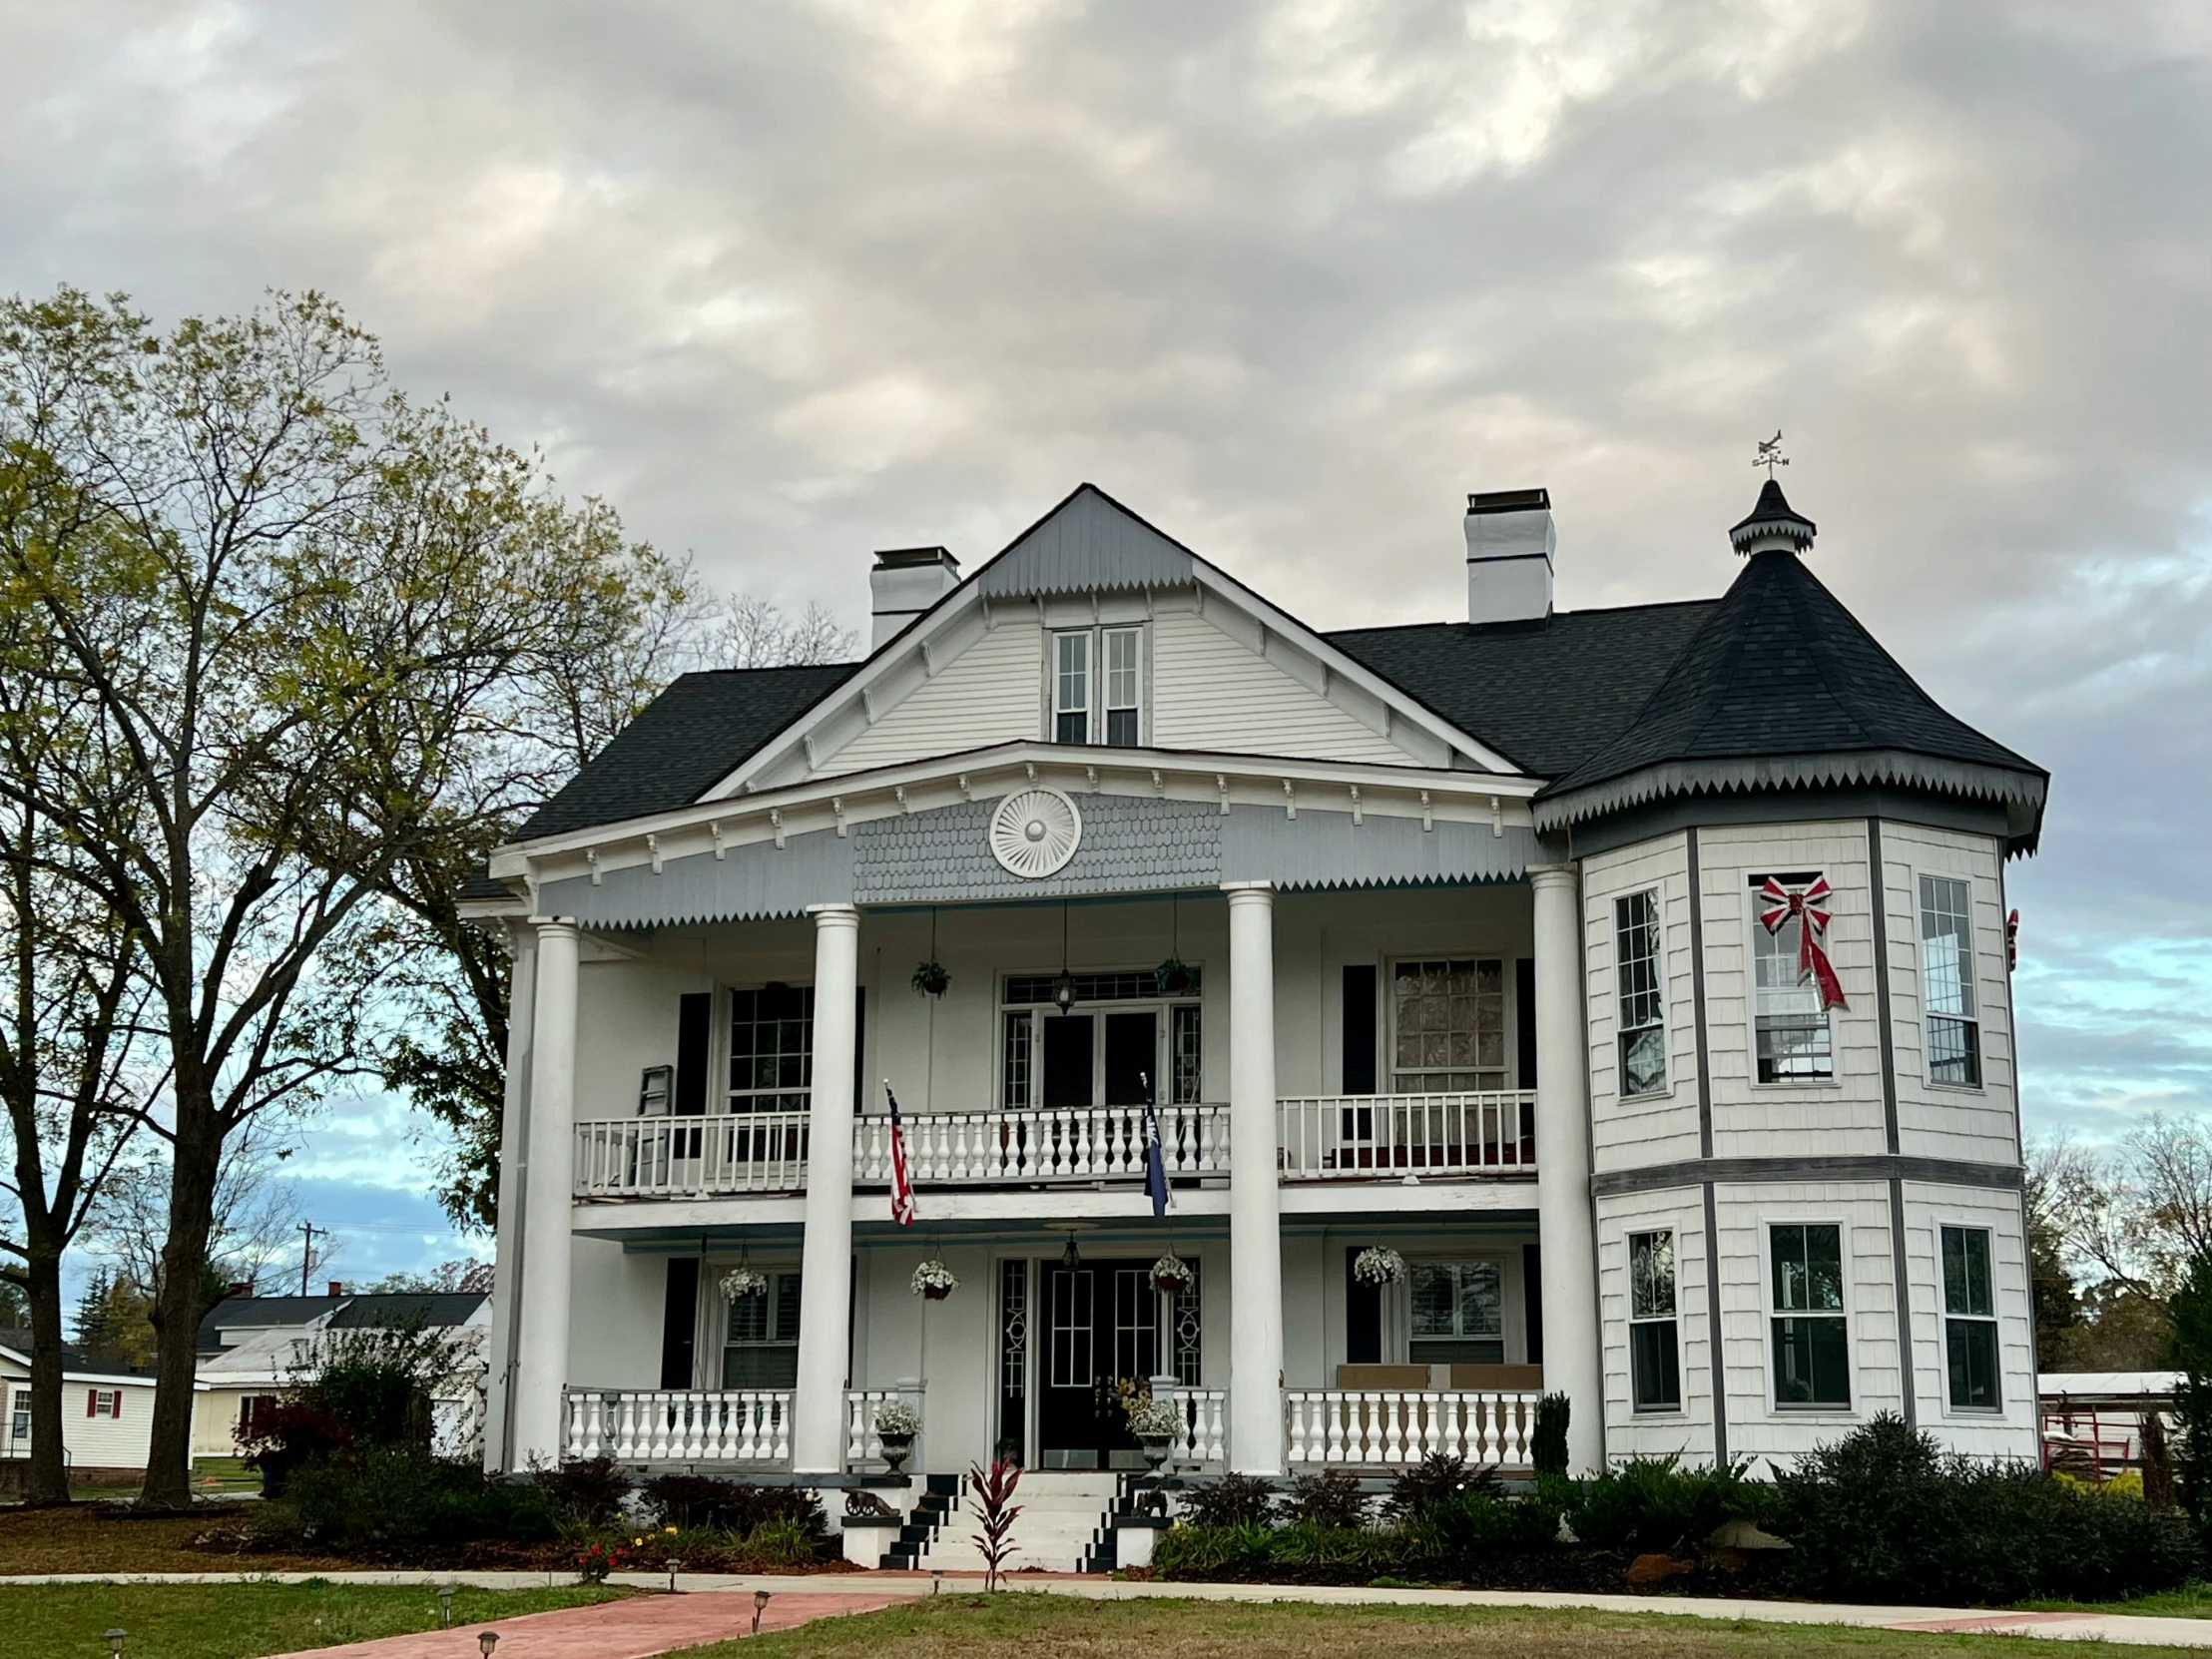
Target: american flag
x,y
902,1184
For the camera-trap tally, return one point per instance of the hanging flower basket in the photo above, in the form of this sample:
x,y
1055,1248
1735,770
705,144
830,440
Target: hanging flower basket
x,y
1171,1273
1175,977
935,1279
1379,1265
931,978
739,1282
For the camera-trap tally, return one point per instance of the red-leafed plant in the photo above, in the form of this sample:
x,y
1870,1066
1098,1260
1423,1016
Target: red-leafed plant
x,y
598,1561
994,1510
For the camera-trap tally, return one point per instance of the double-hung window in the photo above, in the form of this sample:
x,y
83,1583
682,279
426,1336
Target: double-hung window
x,y
1098,686
1792,1040
1654,1355
1459,1314
1642,1009
762,1348
1812,1363
1947,981
1969,1319
772,1048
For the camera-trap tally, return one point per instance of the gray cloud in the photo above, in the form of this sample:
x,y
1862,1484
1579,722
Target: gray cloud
x,y
789,281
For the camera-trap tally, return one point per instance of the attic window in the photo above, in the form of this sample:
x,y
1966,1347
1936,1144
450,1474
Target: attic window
x,y
1098,686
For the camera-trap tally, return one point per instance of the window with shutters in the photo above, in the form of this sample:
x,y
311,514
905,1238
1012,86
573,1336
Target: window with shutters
x,y
1458,1313
762,1348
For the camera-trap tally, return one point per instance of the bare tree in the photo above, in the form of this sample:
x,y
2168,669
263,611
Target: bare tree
x,y
254,1220
2132,1216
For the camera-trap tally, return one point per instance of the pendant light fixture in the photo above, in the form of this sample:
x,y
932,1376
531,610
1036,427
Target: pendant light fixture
x,y
1071,1258
1063,989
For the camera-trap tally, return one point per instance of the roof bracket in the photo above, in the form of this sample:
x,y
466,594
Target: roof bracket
x,y
590,857
836,806
901,793
1359,813
1427,812
1497,817
1221,782
775,823
653,850
1290,800
715,829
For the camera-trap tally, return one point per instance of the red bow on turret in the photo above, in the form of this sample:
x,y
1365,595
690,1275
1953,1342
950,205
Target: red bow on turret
x,y
1805,904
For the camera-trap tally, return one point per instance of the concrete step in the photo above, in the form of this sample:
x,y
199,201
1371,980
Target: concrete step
x,y
1064,1526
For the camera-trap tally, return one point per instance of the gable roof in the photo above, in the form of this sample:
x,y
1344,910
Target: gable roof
x,y
685,741
1089,543
1781,685
1547,693
389,1310
360,1309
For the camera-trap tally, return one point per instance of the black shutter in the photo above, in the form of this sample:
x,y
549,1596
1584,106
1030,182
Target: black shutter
x,y
859,1050
695,1017
679,1319
1524,1020
1362,1309
1532,1299
1359,1028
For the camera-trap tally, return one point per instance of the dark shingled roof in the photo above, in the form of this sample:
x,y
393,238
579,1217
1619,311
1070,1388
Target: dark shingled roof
x,y
75,1358
390,1310
1546,695
1777,666
688,739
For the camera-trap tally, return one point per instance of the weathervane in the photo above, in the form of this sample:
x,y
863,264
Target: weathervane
x,y
1770,453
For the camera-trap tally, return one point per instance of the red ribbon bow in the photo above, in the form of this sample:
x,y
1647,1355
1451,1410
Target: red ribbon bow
x,y
1806,904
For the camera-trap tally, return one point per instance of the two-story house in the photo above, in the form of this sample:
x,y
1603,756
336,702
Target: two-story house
x,y
1608,1002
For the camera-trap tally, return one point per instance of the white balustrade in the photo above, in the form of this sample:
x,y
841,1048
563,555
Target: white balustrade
x,y
1063,1143
1392,1136
861,1442
679,1157
1204,1437
1392,1426
680,1426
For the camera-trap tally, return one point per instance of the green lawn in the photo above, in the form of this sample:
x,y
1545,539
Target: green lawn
x,y
2191,1602
1018,1626
228,1619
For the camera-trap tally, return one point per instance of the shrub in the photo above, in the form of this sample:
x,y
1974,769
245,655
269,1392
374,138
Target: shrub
x,y
378,1382
1884,1515
785,1543
1331,1498
1451,1535
736,1506
589,1491
1233,1500
398,1502
1548,1446
1241,1552
1435,1479
288,1434
1652,1503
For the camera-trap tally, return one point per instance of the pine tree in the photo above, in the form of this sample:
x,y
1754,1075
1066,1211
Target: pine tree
x,y
94,1305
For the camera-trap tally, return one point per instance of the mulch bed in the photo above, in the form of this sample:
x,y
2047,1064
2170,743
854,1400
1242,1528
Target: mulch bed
x,y
1760,1573
114,1539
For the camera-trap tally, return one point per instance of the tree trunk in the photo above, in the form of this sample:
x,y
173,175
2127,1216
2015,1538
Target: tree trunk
x,y
49,1478
195,1157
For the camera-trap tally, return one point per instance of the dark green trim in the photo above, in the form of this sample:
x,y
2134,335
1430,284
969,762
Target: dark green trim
x,y
1862,1165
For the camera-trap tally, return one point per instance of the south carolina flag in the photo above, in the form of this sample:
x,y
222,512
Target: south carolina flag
x,y
903,1186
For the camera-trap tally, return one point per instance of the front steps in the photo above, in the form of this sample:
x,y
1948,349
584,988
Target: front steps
x,y
1065,1524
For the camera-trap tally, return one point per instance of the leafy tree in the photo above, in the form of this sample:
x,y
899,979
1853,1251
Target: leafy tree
x,y
2191,1352
287,610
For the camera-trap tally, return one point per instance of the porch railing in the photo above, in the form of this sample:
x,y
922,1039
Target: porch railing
x,y
861,1442
679,1157
1361,1137
1391,1426
1069,1142
1203,1438
680,1426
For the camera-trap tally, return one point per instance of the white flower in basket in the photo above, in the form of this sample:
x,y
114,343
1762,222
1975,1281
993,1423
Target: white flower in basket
x,y
1152,1416
935,1281
739,1282
895,1418
1379,1265
1171,1273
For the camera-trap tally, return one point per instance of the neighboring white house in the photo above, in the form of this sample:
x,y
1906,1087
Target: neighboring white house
x,y
251,1348
107,1410
1478,944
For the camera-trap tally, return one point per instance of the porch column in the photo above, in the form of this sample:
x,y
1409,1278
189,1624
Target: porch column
x,y
825,1263
514,1143
1255,1233
541,1354
1563,1214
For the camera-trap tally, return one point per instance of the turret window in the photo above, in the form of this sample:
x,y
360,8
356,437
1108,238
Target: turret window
x,y
1640,1001
1654,1354
1792,1040
1812,1364
1946,982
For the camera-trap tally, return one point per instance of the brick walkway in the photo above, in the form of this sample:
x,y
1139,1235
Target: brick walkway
x,y
632,1629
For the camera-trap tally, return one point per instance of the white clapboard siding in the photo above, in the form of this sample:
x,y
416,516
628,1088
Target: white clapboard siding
x,y
990,693
1213,692
1753,1120
1927,1209
1689,1431
1655,1128
1933,1120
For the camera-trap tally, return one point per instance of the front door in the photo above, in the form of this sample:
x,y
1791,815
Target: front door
x,y
1102,1325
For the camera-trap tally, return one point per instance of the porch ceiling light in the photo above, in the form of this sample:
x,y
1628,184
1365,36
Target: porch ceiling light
x,y
1063,991
1071,1258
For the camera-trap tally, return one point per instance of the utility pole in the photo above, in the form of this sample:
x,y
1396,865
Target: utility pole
x,y
306,1252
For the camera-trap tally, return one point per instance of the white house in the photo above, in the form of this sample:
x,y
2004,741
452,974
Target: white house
x,y
1493,932
107,1408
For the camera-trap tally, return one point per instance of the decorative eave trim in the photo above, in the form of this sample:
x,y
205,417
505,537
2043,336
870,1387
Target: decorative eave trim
x,y
2005,785
845,799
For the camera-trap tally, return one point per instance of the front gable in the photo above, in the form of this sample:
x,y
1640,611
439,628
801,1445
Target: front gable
x,y
1223,670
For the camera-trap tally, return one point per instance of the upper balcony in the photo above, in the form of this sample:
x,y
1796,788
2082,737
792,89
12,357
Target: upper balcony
x,y
1326,1138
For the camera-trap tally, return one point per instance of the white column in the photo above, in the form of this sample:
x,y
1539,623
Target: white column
x,y
1255,1233
1563,1166
825,1265
541,1357
514,1143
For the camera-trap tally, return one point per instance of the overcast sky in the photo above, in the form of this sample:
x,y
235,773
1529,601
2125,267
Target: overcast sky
x,y
789,281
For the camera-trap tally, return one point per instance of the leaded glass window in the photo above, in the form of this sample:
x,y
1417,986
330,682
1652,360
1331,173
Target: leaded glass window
x,y
1639,998
1654,1357
1448,1022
